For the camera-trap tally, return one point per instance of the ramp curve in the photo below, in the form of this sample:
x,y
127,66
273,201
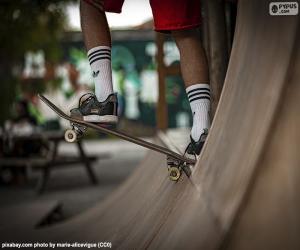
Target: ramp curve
x,y
243,191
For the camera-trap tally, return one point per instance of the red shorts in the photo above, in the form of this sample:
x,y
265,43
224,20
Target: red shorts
x,y
167,14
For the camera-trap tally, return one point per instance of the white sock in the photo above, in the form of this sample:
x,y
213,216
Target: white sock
x,y
199,97
99,58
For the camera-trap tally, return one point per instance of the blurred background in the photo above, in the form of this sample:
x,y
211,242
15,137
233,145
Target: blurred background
x,y
42,51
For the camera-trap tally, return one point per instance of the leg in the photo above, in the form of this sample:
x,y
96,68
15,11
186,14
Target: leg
x,y
86,162
47,168
94,26
193,61
182,17
194,71
101,107
41,186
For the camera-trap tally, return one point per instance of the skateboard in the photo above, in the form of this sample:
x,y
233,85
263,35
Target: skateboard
x,y
176,163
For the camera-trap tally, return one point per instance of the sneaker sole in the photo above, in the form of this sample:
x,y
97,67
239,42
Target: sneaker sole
x,y
111,119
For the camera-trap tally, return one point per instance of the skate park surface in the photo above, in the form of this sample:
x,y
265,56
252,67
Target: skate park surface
x,y
243,192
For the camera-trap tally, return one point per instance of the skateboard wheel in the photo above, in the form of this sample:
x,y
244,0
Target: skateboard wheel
x,y
70,135
174,173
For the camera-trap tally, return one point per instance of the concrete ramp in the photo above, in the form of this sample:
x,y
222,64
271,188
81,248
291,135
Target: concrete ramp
x,y
244,191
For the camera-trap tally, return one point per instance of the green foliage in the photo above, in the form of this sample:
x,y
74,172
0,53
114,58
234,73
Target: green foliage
x,y
31,25
27,25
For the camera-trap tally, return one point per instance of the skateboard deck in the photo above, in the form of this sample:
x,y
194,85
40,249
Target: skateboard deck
x,y
176,162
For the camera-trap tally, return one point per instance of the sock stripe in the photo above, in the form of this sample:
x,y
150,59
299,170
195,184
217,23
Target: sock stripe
x,y
100,61
198,89
192,98
199,98
98,50
99,54
99,58
199,93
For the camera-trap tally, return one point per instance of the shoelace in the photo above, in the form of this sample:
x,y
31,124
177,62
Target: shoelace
x,y
91,96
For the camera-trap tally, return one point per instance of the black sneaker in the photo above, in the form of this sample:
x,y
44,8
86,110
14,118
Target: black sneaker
x,y
194,148
91,110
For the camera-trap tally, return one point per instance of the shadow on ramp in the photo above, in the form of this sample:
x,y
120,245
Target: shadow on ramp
x,y
243,193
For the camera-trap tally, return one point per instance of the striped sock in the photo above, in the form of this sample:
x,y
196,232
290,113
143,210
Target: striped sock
x,y
199,97
99,58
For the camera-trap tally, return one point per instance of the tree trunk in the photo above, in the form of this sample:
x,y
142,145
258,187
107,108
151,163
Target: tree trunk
x,y
161,109
215,29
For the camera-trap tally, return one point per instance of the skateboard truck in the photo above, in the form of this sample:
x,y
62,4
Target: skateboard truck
x,y
175,168
77,131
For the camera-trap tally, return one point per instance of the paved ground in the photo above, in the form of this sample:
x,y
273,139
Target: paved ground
x,y
71,186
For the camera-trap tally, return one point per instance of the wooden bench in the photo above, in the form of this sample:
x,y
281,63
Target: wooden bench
x,y
51,160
